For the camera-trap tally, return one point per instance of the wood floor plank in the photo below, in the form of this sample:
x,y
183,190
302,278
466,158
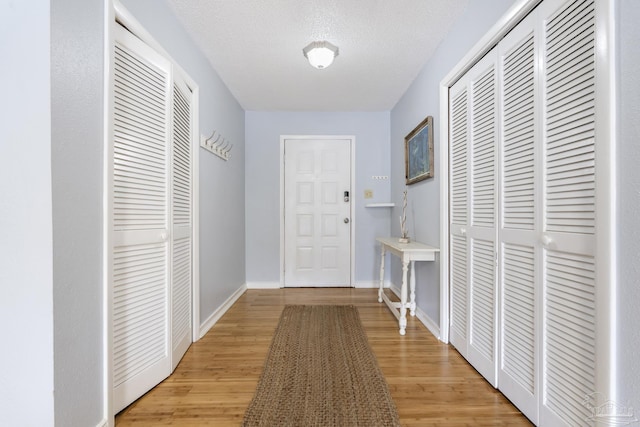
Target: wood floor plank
x,y
431,384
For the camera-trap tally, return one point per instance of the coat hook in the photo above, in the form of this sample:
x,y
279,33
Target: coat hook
x,y
219,146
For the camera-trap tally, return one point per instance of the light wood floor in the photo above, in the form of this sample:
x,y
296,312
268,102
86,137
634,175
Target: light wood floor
x,y
431,384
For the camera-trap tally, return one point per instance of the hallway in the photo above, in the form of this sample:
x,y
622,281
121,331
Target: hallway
x,y
431,384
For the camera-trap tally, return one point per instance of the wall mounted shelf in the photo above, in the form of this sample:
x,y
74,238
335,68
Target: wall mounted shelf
x,y
380,205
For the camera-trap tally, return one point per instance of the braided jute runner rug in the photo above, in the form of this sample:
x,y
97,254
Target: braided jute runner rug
x,y
320,371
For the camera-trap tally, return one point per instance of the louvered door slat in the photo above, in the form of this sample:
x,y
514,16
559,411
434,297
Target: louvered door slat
x,y
181,297
144,286
147,173
570,118
459,287
518,164
483,146
459,159
483,298
519,317
570,333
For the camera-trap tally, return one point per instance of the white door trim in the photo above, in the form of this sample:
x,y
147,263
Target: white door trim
x,y
352,144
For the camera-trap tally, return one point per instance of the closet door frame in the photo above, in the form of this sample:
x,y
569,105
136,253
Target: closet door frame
x,y
605,185
116,14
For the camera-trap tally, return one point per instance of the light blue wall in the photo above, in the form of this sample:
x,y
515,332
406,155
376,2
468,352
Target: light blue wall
x,y
222,232
421,100
628,203
263,130
26,252
77,69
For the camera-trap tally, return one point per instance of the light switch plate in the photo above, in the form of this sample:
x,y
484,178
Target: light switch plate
x,y
368,194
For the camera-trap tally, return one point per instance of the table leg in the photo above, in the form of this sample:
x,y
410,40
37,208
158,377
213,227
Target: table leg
x,y
412,286
403,298
381,288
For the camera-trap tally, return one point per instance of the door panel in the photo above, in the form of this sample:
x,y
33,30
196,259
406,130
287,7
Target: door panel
x,y
568,239
181,283
141,116
483,123
520,200
474,124
459,195
317,217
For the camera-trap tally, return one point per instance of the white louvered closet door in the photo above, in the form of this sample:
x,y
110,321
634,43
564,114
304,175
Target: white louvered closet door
x,y
141,117
483,122
546,196
459,196
519,278
182,202
568,239
473,216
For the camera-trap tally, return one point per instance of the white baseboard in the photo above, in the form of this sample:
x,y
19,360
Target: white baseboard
x,y
216,315
276,285
263,285
103,423
369,285
421,315
428,322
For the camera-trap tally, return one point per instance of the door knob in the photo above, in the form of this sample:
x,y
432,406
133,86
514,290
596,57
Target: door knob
x,y
546,240
346,220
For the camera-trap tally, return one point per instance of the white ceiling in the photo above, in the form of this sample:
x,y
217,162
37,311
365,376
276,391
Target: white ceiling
x,y
256,48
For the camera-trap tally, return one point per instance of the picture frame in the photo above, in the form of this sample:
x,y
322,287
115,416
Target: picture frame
x,y
418,152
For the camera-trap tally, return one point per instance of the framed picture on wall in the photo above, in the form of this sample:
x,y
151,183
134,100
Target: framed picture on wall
x,y
418,152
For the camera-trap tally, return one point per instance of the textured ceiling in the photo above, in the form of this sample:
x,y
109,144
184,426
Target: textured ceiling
x,y
256,48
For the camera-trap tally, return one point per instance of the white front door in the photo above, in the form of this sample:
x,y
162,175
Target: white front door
x,y
317,212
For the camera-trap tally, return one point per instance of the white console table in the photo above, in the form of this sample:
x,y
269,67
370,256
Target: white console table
x,y
408,254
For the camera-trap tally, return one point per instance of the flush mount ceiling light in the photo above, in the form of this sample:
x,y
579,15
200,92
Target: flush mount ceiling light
x,y
320,54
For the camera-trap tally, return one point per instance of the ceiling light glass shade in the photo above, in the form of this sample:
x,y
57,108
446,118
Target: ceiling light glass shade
x,y
320,54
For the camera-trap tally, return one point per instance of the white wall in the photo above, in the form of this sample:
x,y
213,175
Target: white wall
x,y
421,100
222,233
628,204
263,130
26,252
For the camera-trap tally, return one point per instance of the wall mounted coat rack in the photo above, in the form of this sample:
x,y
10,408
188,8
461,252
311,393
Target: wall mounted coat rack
x,y
218,146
